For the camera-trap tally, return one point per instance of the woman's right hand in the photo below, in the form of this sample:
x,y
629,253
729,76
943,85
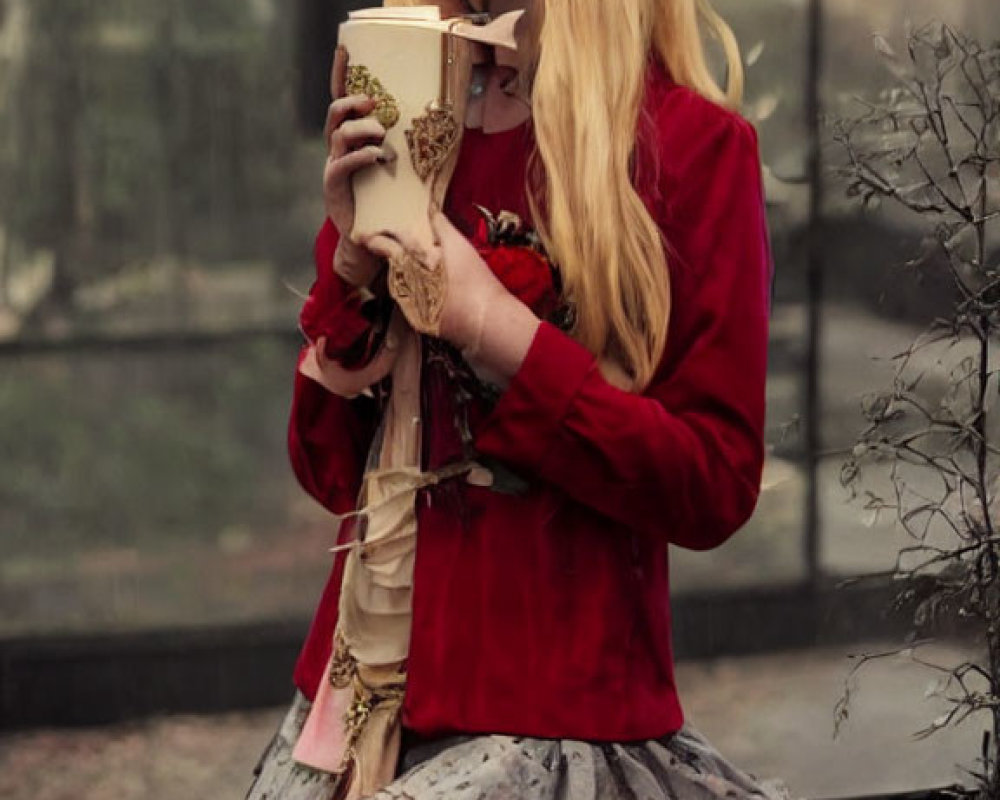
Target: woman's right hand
x,y
354,141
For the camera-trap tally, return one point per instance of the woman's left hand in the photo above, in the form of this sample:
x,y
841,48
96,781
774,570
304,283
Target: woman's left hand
x,y
480,317
350,383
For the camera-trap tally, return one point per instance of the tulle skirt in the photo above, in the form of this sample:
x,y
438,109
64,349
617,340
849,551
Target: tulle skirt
x,y
682,766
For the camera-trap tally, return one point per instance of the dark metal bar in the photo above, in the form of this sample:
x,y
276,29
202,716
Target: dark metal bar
x,y
169,340
83,679
955,792
814,294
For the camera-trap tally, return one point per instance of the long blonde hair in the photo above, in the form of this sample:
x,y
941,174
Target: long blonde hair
x,y
585,62
587,91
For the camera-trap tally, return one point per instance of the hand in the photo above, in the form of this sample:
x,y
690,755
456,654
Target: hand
x,y
472,288
486,322
347,382
353,142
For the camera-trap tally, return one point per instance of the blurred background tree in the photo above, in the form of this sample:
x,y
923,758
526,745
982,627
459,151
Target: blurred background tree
x,y
929,146
148,134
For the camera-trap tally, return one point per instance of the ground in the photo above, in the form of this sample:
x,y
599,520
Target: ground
x,y
772,715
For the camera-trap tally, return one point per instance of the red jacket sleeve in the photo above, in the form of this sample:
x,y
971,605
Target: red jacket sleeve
x,y
682,461
328,435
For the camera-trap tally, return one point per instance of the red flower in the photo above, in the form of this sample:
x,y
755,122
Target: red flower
x,y
525,273
505,244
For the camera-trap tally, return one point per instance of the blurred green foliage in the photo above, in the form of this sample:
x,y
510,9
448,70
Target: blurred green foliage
x,y
143,449
149,152
152,128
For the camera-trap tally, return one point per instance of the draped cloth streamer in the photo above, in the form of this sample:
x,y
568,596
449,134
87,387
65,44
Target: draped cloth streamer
x,y
354,725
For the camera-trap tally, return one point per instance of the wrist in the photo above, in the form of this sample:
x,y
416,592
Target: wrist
x,y
503,332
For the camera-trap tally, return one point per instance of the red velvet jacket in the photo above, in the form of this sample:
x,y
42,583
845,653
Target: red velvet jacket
x,y
548,614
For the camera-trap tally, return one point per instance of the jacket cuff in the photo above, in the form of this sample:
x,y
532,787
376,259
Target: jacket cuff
x,y
340,312
525,423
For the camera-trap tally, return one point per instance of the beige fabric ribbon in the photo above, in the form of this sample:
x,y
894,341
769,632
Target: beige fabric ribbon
x,y
498,32
354,724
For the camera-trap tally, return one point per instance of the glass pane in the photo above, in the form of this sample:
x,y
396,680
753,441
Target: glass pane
x,y
151,172
874,308
152,182
150,489
770,547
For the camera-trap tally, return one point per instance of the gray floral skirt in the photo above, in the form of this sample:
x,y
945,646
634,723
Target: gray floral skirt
x,y
682,766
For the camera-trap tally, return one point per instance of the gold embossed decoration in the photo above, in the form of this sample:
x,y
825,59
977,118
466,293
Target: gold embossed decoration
x,y
367,702
342,665
431,140
361,81
419,289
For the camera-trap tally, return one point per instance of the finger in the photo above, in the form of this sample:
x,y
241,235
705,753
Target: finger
x,y
338,74
353,133
357,159
440,225
355,105
444,229
359,271
310,366
384,246
346,382
423,250
320,355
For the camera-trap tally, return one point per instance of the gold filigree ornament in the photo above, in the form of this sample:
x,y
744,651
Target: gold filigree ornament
x,y
419,289
431,140
361,81
365,704
342,665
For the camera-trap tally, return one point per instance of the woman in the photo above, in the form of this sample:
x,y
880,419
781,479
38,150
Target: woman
x,y
595,392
